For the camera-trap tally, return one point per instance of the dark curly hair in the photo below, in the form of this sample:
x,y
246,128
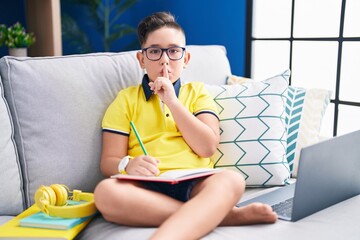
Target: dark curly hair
x,y
154,22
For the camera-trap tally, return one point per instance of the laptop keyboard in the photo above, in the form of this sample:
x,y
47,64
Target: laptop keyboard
x,y
284,208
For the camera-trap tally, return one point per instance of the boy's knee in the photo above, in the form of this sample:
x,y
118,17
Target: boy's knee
x,y
234,181
110,192
101,193
106,199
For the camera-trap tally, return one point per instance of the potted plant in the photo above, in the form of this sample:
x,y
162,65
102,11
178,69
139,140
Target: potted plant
x,y
16,39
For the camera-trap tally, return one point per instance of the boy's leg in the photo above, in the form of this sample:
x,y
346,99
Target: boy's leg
x,y
128,203
213,204
212,199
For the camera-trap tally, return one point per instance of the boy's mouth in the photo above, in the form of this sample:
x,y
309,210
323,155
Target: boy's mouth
x,y
162,73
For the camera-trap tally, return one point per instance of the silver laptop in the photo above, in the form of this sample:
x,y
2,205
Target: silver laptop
x,y
328,173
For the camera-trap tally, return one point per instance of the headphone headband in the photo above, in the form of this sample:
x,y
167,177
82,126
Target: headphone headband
x,y
52,200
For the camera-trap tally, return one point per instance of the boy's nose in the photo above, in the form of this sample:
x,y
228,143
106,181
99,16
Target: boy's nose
x,y
164,59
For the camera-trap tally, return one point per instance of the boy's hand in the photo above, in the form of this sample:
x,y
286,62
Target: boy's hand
x,y
163,87
143,166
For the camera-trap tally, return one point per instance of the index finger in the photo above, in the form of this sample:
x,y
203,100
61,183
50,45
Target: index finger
x,y
165,71
151,160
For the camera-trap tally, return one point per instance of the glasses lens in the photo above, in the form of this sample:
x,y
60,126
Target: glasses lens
x,y
175,53
153,53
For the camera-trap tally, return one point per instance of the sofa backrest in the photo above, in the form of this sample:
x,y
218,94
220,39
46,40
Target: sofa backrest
x,y
56,106
11,200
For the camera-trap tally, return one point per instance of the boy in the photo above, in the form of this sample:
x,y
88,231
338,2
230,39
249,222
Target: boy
x,y
180,130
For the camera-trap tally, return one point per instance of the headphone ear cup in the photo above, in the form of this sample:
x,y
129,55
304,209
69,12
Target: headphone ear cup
x,y
45,196
61,194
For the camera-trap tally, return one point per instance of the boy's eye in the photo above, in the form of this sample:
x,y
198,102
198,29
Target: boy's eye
x,y
173,50
154,51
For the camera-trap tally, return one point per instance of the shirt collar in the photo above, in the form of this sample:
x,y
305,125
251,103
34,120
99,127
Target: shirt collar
x,y
148,92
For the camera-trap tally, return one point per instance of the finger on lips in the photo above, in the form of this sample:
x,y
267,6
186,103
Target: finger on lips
x,y
165,71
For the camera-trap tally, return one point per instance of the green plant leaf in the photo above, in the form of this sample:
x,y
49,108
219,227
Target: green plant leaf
x,y
75,35
103,16
121,30
126,5
15,36
121,8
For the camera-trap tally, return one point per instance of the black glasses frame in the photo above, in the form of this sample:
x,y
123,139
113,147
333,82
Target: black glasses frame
x,y
162,52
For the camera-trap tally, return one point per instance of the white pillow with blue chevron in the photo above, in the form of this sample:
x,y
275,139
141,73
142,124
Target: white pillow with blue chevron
x,y
253,130
305,109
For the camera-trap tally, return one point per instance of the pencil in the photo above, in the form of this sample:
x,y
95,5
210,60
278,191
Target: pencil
x,y
138,137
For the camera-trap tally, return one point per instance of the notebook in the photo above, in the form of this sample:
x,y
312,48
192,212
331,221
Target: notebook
x,y
171,176
328,173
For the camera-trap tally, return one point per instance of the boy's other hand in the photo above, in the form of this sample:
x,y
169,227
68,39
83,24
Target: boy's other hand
x,y
143,166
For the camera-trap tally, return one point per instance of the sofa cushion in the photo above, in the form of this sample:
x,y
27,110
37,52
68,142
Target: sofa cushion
x,y
305,109
11,202
208,64
57,104
253,131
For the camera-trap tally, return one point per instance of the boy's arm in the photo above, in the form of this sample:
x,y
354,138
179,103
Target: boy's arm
x,y
201,133
115,148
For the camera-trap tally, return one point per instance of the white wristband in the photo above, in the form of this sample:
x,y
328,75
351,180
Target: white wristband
x,y
123,164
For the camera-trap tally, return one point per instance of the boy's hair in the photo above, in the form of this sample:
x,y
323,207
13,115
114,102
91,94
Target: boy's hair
x,y
154,22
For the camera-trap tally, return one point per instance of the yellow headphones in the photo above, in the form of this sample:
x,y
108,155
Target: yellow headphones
x,y
52,200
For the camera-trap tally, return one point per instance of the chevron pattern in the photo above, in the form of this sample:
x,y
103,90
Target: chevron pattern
x,y
314,107
294,106
253,133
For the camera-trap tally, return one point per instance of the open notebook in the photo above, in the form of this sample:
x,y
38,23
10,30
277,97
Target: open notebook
x,y
172,176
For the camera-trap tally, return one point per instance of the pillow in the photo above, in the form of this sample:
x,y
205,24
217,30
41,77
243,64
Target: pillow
x,y
305,110
253,131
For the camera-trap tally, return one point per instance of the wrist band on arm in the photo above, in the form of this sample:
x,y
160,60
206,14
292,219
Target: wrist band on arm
x,y
123,164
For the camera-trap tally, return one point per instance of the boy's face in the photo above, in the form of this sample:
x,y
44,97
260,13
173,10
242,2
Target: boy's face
x,y
164,38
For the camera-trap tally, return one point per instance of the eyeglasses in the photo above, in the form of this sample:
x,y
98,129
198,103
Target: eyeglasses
x,y
155,53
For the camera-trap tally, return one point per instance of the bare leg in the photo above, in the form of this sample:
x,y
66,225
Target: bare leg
x,y
213,204
129,204
212,199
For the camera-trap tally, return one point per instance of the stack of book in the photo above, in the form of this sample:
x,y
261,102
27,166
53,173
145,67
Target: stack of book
x,y
32,224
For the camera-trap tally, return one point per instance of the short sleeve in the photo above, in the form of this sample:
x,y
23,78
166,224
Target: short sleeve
x,y
204,103
117,116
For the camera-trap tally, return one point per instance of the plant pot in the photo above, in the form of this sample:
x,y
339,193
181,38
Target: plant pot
x,y
18,52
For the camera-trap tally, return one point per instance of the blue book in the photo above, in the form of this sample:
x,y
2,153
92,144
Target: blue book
x,y
42,220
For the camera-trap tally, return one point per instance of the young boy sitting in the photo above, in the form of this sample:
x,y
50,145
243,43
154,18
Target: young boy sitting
x,y
179,127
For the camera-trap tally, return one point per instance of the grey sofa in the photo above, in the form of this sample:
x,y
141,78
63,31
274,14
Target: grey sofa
x,y
50,132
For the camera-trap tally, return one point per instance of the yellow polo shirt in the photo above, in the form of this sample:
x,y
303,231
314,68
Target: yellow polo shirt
x,y
155,124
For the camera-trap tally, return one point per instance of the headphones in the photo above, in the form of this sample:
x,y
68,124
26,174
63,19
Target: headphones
x,y
52,200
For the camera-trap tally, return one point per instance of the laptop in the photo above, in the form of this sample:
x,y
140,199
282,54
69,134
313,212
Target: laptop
x,y
328,173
